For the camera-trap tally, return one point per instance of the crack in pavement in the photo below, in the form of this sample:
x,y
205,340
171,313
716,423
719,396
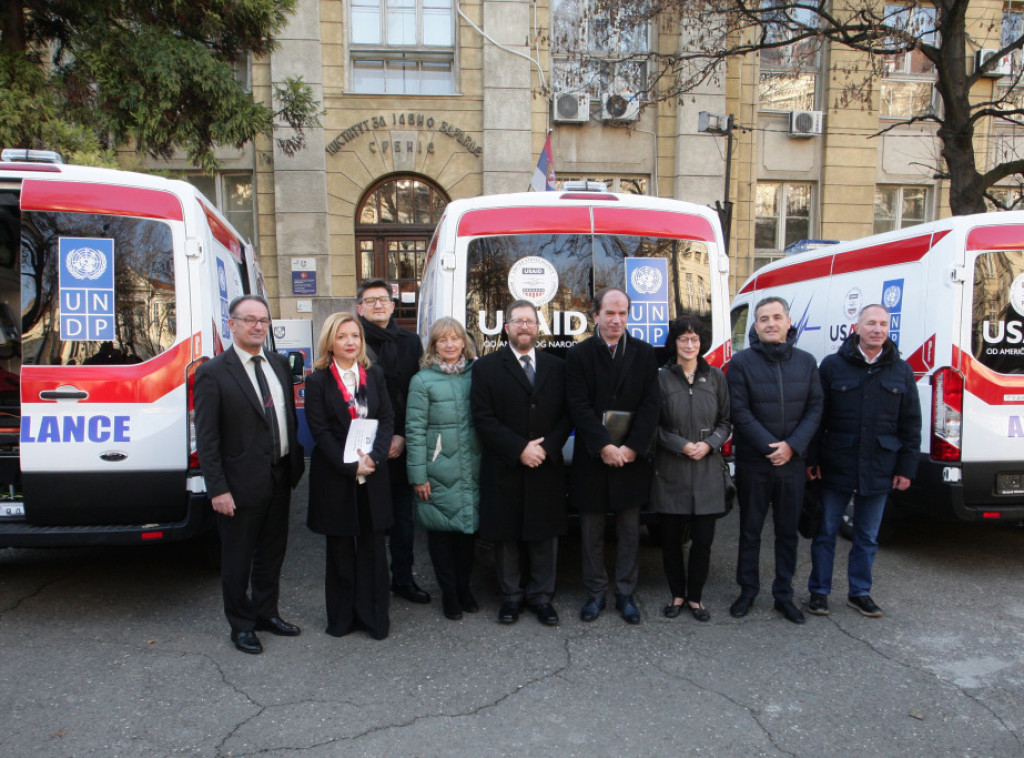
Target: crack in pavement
x,y
33,594
556,673
928,672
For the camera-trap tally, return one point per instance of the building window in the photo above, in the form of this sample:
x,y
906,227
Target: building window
x,y
403,47
789,75
598,49
783,215
233,195
628,185
906,87
899,207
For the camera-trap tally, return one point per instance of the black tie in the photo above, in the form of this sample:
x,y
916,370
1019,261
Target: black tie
x,y
268,405
531,375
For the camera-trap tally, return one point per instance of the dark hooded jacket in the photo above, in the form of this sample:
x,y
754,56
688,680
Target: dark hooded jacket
x,y
871,427
775,396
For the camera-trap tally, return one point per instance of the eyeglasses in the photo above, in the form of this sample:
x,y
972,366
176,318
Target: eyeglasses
x,y
520,322
370,301
250,322
688,340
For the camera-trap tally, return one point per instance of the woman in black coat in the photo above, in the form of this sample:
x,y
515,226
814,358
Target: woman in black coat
x,y
350,502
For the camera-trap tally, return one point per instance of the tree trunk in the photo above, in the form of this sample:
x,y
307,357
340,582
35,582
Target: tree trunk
x,y
12,27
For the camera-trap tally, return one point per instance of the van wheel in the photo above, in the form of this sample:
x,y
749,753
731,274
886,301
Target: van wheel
x,y
886,530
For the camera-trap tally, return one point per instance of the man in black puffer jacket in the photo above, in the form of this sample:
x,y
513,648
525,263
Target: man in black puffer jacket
x,y
776,403
869,445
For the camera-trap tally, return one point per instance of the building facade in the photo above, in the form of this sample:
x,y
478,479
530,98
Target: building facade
x,y
426,101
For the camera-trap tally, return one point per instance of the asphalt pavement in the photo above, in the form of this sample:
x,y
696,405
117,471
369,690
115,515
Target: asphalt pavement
x,y
125,652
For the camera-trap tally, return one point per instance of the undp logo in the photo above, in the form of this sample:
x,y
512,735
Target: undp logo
x,y
86,263
891,296
646,280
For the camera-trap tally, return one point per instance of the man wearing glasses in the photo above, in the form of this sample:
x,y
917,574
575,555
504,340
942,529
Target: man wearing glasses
x,y
245,435
520,414
398,352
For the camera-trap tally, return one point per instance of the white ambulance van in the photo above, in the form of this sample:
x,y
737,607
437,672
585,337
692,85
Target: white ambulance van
x,y
955,289
556,249
114,288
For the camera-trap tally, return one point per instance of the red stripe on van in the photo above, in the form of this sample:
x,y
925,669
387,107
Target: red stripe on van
x,y
721,355
93,197
134,383
985,384
1002,237
875,256
653,223
221,233
923,359
525,220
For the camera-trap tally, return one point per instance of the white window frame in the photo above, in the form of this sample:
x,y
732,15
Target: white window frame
x,y
781,215
898,73
402,64
800,61
897,221
220,199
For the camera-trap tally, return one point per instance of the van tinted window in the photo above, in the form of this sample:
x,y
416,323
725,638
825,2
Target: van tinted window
x,y
563,271
95,289
997,334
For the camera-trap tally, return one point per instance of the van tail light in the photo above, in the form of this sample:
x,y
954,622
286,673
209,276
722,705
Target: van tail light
x,y
947,414
190,384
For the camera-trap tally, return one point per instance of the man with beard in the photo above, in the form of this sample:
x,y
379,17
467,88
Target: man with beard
x,y
518,402
397,351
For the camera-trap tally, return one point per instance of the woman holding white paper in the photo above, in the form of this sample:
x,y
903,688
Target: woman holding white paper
x,y
350,502
443,461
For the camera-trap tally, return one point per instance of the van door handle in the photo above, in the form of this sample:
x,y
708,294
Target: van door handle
x,y
64,393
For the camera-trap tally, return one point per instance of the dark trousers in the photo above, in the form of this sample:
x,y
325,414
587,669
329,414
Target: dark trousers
x,y
542,558
356,578
452,556
252,545
627,534
682,582
780,488
402,533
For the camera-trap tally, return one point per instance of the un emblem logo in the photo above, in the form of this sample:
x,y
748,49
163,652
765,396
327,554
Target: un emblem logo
x,y
891,296
86,263
646,280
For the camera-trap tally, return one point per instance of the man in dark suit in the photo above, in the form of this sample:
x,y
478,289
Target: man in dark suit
x,y
397,351
614,402
518,402
245,434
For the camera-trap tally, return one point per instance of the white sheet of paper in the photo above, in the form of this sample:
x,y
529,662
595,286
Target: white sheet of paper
x,y
361,434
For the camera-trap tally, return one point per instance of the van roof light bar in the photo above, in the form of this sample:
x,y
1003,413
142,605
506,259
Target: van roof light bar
x,y
18,155
584,185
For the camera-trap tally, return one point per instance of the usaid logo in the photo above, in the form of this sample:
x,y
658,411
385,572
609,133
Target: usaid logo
x,y
86,263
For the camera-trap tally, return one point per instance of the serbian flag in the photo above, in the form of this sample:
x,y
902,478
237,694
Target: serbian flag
x,y
544,175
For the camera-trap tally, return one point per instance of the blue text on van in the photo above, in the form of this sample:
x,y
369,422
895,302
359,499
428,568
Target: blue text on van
x,y
75,429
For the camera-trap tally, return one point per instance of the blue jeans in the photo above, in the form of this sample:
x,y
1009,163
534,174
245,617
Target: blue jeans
x,y
867,517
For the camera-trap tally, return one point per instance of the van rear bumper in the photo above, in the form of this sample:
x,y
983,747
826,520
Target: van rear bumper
x,y
198,518
961,492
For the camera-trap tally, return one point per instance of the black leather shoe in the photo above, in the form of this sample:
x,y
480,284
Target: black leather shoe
x,y
818,604
508,613
411,592
546,614
626,607
699,612
592,609
672,610
277,625
450,606
247,642
467,602
741,606
789,611
865,606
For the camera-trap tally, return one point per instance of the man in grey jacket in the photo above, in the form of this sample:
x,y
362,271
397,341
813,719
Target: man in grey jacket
x,y
776,403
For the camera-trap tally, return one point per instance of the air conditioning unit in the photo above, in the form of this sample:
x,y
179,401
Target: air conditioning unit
x,y
571,107
805,123
1003,67
617,106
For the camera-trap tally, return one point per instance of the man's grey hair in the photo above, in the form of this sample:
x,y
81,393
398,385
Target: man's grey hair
x,y
768,301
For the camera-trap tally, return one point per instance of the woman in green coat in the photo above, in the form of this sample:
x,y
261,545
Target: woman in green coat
x,y
443,461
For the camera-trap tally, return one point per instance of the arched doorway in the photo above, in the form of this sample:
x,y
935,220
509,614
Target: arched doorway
x,y
394,223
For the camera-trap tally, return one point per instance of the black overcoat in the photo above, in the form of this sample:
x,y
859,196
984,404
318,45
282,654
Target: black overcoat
x,y
332,482
518,502
596,383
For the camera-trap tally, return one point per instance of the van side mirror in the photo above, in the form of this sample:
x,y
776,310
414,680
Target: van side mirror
x,y
297,364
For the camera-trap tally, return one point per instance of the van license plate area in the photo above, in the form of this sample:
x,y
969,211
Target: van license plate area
x,y
1010,483
12,511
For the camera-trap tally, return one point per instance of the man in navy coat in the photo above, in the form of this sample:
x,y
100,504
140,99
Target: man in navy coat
x,y
869,445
